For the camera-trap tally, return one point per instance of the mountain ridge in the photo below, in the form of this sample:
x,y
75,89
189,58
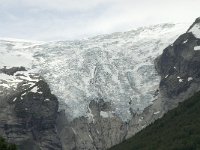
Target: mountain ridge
x,y
178,67
116,72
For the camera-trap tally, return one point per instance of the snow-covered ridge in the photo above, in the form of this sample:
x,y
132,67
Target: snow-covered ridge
x,y
21,80
12,52
196,30
118,67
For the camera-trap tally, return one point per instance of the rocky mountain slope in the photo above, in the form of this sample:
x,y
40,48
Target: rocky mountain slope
x,y
107,86
179,68
28,110
178,129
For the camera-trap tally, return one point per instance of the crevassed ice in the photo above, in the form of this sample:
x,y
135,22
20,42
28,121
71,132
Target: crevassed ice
x,y
118,68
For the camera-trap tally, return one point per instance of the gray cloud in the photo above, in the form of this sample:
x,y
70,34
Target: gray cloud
x,y
73,19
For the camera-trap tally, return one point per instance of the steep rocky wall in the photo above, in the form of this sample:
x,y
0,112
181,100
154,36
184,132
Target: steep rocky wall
x,y
28,112
179,68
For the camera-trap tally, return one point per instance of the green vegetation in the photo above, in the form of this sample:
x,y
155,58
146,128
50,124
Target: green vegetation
x,y
179,129
6,146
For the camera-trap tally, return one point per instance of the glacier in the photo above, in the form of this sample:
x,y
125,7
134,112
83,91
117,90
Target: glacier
x,y
118,67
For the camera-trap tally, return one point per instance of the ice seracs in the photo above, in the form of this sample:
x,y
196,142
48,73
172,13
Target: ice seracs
x,y
116,68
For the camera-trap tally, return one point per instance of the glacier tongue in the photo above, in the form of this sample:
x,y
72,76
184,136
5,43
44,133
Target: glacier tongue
x,y
118,68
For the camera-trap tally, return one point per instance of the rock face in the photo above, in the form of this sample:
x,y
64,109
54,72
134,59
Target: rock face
x,y
178,67
28,112
11,71
100,130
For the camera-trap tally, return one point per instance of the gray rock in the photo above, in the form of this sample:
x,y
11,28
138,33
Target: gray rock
x,y
11,71
95,132
28,117
178,67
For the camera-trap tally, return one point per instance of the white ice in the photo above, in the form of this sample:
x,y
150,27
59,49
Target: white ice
x,y
197,48
118,67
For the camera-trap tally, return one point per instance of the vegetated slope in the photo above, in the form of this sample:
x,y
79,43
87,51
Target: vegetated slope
x,y
6,146
179,129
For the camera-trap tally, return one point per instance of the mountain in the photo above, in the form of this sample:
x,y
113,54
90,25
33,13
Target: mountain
x,y
96,92
28,110
178,67
118,68
178,129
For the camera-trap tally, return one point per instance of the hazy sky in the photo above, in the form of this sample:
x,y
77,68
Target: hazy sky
x,y
74,19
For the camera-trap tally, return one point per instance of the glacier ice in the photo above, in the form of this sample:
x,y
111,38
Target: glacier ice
x,y
118,68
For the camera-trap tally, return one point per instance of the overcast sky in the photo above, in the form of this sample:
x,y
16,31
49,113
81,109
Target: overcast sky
x,y
74,19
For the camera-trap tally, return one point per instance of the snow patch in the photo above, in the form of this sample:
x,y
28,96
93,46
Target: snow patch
x,y
180,80
14,99
5,77
106,114
5,85
35,89
157,112
190,79
140,119
15,59
197,48
185,41
90,137
47,99
23,94
116,67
